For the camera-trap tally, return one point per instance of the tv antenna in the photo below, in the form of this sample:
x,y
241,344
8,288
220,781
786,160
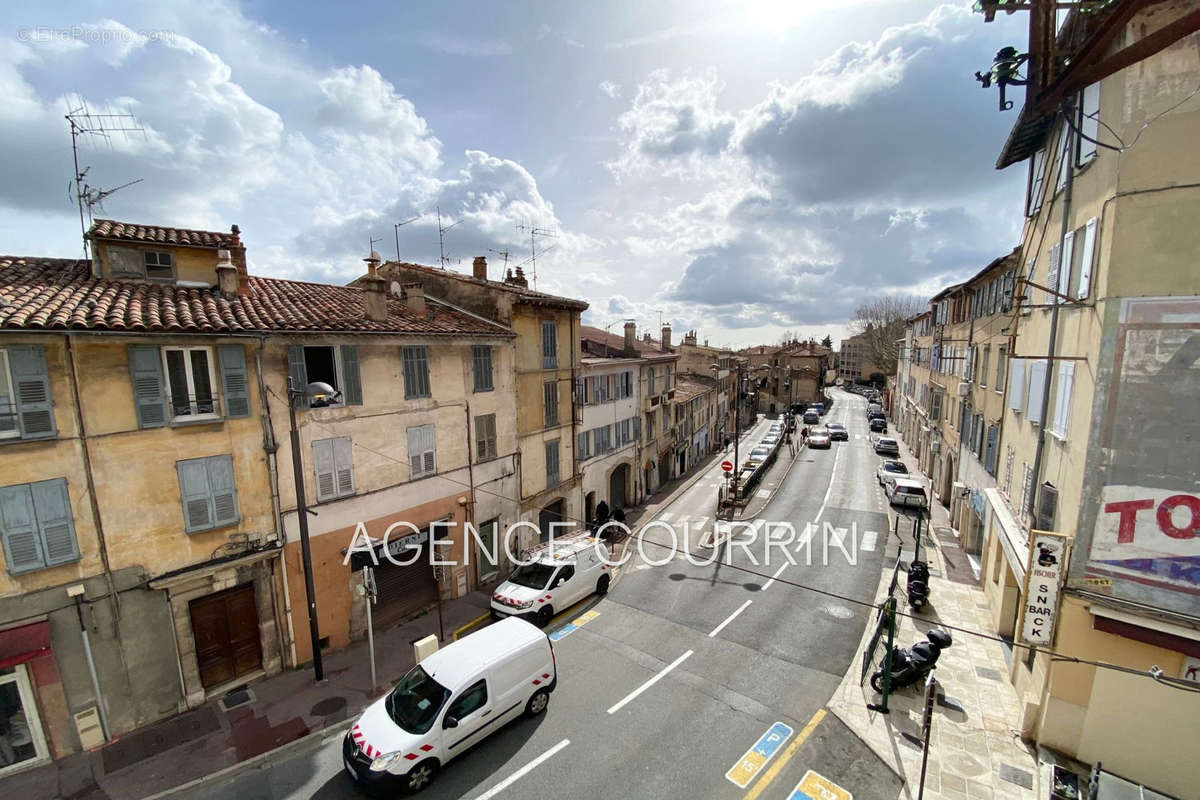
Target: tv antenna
x,y
102,126
534,233
507,255
371,240
396,227
443,258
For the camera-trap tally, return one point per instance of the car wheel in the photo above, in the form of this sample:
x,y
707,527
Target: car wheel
x,y
544,615
602,585
537,704
421,776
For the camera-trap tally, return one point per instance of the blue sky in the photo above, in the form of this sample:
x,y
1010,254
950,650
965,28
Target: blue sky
x,y
744,168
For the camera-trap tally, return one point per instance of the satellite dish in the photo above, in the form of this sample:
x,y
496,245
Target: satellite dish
x,y
396,290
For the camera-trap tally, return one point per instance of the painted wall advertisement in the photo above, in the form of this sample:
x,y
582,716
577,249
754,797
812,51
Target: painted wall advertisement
x,y
1040,600
1145,528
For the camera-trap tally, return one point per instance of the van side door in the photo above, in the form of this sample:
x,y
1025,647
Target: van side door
x,y
564,587
467,718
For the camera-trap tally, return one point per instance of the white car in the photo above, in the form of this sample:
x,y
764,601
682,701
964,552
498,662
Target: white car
x,y
450,702
891,468
758,455
559,575
770,439
906,492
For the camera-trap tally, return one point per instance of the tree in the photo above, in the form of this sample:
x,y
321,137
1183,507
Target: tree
x,y
882,320
827,342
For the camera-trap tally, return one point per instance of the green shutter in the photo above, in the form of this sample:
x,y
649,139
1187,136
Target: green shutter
x,y
149,399
194,494
298,373
351,380
234,383
52,504
31,389
18,525
222,488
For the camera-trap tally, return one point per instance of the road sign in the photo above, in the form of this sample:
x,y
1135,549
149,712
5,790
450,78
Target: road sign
x,y
727,465
749,765
815,786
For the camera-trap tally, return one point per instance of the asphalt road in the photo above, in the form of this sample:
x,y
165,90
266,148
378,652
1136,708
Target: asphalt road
x,y
716,655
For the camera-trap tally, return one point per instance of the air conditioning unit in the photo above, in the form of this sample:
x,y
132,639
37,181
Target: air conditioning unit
x,y
964,388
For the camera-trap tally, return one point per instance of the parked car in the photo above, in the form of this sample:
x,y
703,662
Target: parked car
x,y
811,417
890,468
878,425
771,439
557,578
818,407
819,438
450,701
886,446
758,455
906,492
838,432
874,409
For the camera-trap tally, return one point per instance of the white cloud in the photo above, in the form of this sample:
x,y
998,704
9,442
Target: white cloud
x,y
611,89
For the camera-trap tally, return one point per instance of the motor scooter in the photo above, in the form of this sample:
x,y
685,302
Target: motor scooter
x,y
918,584
910,666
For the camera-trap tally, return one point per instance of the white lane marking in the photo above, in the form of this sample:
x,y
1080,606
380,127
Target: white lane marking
x,y
632,695
764,493
666,516
700,522
829,490
729,619
767,585
868,541
522,772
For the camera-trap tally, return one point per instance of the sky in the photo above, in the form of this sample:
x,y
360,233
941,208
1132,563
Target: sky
x,y
742,168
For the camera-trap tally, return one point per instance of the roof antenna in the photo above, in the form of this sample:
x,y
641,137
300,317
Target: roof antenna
x,y
396,227
84,123
442,257
534,233
507,255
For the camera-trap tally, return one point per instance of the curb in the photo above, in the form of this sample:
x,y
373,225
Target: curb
x,y
257,761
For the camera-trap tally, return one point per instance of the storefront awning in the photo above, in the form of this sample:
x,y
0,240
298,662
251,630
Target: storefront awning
x,y
18,645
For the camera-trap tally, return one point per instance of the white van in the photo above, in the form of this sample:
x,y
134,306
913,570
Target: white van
x,y
449,702
906,492
558,575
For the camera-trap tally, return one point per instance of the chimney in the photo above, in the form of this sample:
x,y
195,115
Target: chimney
x,y
517,279
374,290
228,278
666,337
690,338
630,338
237,254
414,298
479,268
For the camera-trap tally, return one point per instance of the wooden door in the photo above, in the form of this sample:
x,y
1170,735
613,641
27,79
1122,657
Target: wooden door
x,y
225,628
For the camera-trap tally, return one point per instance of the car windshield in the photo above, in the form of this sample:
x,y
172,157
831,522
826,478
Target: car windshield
x,y
533,576
415,702
895,466
836,426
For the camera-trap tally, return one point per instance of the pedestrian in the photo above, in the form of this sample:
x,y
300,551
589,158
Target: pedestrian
x,y
804,433
601,513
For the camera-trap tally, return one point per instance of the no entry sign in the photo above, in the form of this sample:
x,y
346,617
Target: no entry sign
x,y
727,465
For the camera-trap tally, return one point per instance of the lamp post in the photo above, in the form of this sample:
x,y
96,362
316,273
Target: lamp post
x,y
319,390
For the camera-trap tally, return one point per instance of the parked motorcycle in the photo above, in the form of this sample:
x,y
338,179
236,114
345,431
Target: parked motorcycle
x,y
918,584
910,666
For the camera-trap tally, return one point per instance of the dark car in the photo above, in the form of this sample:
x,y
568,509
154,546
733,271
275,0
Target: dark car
x,y
837,432
878,425
812,417
886,446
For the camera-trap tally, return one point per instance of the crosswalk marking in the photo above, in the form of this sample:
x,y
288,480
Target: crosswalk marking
x,y
666,516
868,540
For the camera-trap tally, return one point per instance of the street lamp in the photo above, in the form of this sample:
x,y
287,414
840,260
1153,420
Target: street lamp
x,y
323,394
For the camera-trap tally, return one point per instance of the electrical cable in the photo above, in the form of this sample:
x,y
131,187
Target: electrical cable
x,y
786,582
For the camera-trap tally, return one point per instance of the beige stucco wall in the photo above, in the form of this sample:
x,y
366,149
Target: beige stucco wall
x,y
191,263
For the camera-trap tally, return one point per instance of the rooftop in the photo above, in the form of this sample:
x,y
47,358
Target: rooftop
x,y
524,293
615,344
181,237
62,294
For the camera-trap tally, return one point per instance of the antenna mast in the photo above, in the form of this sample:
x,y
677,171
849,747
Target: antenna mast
x,y
396,228
507,255
83,122
442,257
534,233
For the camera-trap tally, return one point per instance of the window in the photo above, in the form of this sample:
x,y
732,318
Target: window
x,y
190,382
206,488
1062,399
160,266
624,386
1089,123
420,452
333,460
1001,368
983,367
552,473
992,443
489,549
37,526
583,446
666,421
416,372
481,361
1060,153
599,388
550,402
1078,251
473,698
649,426
1016,384
650,382
26,409
125,262
1037,387
485,437
549,345
336,366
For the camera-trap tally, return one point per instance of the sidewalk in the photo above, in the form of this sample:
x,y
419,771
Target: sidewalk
x,y
975,754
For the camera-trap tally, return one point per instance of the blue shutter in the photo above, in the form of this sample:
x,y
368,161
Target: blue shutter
x,y
222,489
31,388
298,373
234,383
351,379
145,369
52,504
194,494
22,543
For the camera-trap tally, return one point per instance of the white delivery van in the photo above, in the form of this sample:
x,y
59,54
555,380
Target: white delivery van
x,y
906,492
558,575
449,702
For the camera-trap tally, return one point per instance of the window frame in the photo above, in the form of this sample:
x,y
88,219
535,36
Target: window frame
x,y
11,398
486,446
38,527
415,355
553,478
193,404
451,706
146,265
336,465
215,523
550,403
481,354
421,453
549,344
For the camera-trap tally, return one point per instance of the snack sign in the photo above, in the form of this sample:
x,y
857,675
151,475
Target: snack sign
x,y
1047,554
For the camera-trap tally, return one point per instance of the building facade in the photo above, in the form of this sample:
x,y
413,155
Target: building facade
x,y
854,361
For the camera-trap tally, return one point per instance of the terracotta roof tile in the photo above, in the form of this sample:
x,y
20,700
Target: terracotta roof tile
x,y
130,232
62,294
616,344
526,294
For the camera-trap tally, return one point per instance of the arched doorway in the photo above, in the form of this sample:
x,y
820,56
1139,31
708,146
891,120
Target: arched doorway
x,y
589,507
617,483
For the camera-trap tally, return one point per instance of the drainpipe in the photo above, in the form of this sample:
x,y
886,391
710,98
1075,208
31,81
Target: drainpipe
x,y
271,448
77,593
470,509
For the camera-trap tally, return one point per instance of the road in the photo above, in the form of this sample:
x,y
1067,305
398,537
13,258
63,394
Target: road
x,y
684,667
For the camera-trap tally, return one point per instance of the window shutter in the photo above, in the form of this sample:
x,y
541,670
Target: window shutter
x,y
224,493
194,493
1062,398
323,463
1089,252
149,399
298,373
351,379
1026,291
1037,386
22,542
232,360
52,504
31,388
1016,384
1064,272
343,458
1052,270
1089,122
428,445
637,428
414,452
989,461
1047,506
